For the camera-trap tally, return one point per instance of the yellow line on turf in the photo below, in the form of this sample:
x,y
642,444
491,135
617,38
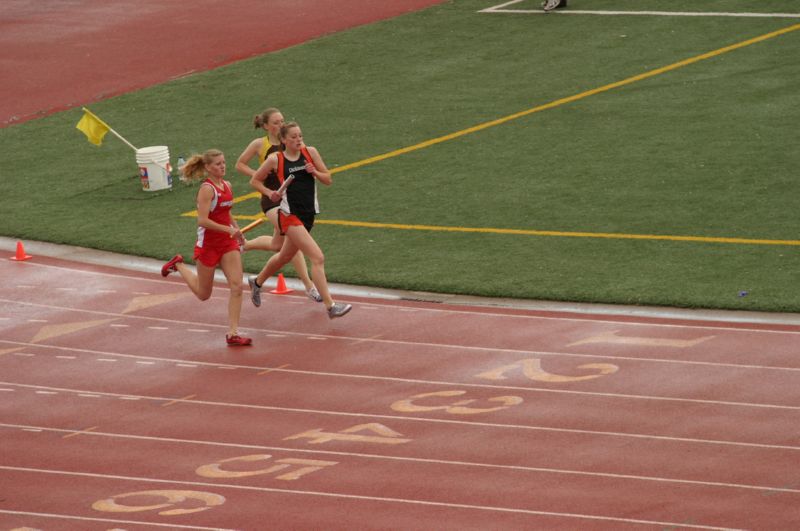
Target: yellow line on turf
x,y
531,232
563,234
552,104
570,99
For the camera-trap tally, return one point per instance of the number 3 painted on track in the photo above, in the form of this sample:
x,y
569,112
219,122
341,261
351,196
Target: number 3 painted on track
x,y
456,408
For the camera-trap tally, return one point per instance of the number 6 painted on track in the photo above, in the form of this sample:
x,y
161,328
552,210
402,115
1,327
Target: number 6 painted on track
x,y
173,497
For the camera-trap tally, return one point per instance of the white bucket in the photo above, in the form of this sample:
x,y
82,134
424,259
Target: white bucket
x,y
154,168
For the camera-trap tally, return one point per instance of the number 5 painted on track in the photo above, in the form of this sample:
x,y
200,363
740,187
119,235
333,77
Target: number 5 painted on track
x,y
304,466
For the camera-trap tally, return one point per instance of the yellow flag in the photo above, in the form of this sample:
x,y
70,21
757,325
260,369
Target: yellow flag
x,y
93,127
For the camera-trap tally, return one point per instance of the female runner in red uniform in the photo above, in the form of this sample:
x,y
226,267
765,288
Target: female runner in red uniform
x,y
298,206
219,239
271,121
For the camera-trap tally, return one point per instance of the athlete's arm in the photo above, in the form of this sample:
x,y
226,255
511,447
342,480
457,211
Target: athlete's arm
x,y
317,167
259,176
243,162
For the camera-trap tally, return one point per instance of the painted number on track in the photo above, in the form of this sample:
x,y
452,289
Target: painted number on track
x,y
459,407
377,433
290,468
532,369
192,501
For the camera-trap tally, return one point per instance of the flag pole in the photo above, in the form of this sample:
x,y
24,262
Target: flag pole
x,y
109,128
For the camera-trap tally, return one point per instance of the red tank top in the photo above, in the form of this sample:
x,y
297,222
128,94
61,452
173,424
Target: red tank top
x,y
220,212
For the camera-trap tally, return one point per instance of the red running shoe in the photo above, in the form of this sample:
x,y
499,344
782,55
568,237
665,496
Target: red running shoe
x,y
238,341
169,267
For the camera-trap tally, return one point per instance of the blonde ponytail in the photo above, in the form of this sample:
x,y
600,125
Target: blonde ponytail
x,y
195,167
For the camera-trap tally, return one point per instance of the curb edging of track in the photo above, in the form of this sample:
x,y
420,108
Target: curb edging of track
x,y
149,265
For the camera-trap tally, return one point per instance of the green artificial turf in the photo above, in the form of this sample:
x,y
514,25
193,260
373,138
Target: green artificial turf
x,y
706,150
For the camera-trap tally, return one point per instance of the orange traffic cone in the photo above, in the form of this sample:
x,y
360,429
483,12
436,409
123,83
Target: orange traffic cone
x,y
20,256
281,289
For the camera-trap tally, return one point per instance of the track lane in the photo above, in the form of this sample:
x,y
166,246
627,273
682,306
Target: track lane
x,y
133,361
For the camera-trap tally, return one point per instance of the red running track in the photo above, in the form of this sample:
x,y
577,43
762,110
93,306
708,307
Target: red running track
x,y
119,406
122,408
55,55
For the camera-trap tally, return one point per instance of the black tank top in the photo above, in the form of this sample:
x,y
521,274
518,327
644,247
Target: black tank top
x,y
302,193
270,182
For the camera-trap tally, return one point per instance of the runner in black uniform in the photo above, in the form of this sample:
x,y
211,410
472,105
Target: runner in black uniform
x,y
271,121
296,213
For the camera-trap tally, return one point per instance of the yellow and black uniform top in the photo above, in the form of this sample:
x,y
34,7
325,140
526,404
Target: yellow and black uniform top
x,y
271,180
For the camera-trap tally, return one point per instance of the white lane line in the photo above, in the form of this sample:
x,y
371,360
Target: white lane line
x,y
484,312
75,433
404,418
406,501
423,460
90,519
178,400
267,371
676,14
502,9
490,386
419,344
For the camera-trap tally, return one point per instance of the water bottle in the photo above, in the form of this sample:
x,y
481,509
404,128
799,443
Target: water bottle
x,y
180,164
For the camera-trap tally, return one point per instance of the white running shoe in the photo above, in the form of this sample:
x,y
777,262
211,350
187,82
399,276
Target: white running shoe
x,y
339,309
549,5
255,292
313,294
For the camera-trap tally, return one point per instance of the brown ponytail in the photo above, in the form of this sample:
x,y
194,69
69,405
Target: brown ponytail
x,y
261,119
